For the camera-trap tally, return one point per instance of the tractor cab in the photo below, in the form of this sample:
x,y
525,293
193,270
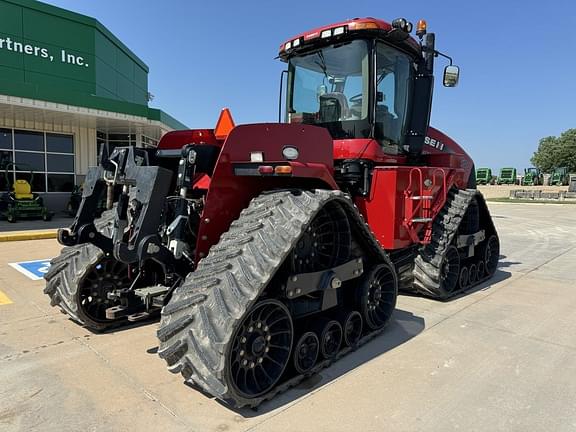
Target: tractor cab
x,y
364,80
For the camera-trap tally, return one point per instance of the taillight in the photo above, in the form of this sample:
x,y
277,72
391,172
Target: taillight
x,y
266,169
283,169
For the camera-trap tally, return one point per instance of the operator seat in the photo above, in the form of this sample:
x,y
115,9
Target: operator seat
x,y
22,190
386,122
333,107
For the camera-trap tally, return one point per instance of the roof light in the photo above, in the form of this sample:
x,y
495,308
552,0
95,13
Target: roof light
x,y
326,34
368,25
402,24
312,35
295,43
338,31
288,46
421,28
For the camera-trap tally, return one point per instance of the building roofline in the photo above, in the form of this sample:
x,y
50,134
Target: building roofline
x,y
151,115
83,19
165,118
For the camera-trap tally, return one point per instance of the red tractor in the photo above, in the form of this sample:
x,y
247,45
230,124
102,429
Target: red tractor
x,y
272,250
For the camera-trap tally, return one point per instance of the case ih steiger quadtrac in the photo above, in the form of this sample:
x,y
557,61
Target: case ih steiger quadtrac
x,y
274,249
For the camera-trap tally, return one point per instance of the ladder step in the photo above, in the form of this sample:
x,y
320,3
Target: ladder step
x,y
421,197
418,220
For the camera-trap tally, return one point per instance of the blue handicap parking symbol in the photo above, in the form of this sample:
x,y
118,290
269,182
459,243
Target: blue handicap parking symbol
x,y
35,270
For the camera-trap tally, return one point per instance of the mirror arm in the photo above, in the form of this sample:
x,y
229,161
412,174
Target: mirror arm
x,y
438,53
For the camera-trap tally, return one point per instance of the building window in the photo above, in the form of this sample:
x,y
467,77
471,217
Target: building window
x,y
29,141
149,142
114,140
6,139
46,160
59,143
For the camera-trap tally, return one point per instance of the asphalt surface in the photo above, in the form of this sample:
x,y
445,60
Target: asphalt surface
x,y
58,221
501,358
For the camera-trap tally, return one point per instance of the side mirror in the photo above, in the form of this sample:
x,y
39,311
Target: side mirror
x,y
451,75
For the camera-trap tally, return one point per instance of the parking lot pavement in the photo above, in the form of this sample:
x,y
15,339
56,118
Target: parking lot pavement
x,y
58,221
499,358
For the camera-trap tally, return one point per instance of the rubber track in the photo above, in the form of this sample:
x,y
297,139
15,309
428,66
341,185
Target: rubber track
x,y
69,268
197,325
429,259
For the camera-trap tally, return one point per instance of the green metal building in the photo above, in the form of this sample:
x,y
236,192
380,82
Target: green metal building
x,y
67,85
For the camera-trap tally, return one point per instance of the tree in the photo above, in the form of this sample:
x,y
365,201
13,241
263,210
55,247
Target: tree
x,y
554,152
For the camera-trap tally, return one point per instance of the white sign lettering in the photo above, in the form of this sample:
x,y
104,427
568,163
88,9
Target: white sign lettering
x,y
6,43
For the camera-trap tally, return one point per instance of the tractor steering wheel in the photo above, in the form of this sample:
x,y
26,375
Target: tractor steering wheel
x,y
356,99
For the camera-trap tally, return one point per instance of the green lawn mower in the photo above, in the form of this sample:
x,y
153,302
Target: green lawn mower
x,y
19,202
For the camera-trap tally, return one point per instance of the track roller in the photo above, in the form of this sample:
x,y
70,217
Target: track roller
x,y
306,352
472,274
352,325
330,339
464,279
480,269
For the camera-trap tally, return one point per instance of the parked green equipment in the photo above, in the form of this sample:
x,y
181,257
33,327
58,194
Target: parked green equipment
x,y
532,177
19,202
507,176
484,176
560,177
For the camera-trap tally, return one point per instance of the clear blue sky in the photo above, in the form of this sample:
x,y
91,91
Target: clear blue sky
x,y
517,60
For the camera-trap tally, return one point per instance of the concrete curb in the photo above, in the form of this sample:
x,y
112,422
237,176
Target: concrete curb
x,y
28,235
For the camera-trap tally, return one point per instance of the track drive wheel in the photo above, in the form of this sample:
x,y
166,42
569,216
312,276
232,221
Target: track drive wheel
x,y
80,278
325,243
378,296
261,349
450,271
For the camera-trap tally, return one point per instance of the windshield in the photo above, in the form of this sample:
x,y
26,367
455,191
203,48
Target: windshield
x,y
329,88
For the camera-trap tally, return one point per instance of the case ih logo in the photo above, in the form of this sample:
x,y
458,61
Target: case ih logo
x,y
434,143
